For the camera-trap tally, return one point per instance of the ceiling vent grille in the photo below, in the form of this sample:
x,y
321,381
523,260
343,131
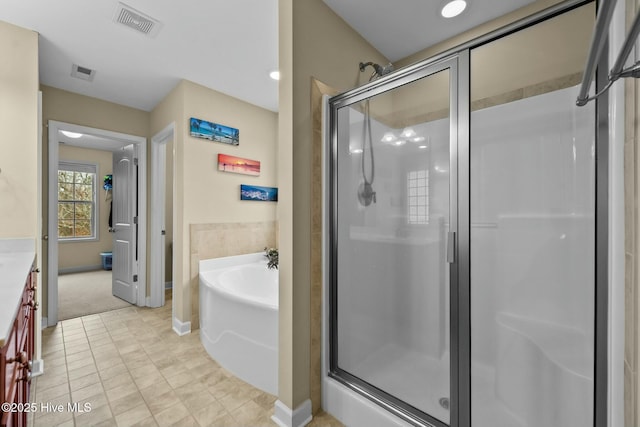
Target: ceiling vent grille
x,y
82,73
136,20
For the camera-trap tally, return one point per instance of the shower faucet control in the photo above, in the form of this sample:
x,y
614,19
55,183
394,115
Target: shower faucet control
x,y
366,194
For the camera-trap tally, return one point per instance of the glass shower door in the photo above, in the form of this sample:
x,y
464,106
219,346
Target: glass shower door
x,y
532,202
391,174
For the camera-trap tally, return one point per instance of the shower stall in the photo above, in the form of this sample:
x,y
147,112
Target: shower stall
x,y
465,246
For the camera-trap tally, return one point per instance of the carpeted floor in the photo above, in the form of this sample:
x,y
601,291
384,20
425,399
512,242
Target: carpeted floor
x,y
80,294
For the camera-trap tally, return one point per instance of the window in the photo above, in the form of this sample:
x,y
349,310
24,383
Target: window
x,y
418,197
77,203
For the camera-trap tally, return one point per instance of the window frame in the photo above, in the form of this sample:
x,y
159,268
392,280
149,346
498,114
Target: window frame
x,y
87,167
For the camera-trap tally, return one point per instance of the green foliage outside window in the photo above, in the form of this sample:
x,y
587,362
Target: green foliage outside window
x,y
76,204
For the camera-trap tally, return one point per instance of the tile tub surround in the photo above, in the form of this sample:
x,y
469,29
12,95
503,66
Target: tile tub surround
x,y
16,258
218,240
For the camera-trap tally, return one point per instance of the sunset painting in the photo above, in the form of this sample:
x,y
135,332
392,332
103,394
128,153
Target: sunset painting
x,y
228,163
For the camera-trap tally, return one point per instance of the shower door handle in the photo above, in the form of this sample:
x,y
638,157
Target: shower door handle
x,y
451,247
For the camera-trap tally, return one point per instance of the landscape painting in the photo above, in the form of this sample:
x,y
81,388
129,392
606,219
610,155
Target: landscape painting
x,y
262,194
234,164
214,131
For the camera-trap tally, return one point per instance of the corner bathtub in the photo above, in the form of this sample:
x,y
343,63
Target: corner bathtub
x,y
239,317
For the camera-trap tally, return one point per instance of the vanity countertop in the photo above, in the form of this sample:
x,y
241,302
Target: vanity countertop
x,y
16,258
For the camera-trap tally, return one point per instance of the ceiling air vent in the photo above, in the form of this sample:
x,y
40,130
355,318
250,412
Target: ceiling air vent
x,y
136,20
83,73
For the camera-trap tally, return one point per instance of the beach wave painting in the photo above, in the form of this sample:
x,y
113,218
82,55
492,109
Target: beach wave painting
x,y
261,194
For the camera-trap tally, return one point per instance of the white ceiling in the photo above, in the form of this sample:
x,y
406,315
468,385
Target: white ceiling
x,y
401,28
95,142
229,46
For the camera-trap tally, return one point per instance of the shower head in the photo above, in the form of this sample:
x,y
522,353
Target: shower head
x,y
378,70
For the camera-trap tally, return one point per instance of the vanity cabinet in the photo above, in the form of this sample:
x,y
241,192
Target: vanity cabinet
x,y
16,355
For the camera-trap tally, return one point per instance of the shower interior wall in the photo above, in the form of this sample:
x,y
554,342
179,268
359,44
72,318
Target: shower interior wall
x,y
380,232
503,217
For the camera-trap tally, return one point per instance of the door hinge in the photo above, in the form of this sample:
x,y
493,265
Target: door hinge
x,y
135,161
135,219
135,277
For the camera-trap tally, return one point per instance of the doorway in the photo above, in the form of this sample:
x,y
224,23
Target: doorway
x,y
161,227
85,245
103,140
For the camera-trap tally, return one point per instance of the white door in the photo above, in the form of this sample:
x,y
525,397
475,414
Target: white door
x,y
124,261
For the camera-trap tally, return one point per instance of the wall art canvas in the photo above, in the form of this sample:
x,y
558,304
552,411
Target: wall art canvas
x,y
262,194
234,164
214,131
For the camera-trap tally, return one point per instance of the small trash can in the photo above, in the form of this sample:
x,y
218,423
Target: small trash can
x,y
106,260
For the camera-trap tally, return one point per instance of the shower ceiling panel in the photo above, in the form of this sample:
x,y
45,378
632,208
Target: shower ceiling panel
x,y
398,32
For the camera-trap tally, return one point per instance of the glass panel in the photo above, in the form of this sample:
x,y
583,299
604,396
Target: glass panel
x,y
83,228
65,228
65,176
65,191
83,210
393,216
84,192
83,178
532,228
65,210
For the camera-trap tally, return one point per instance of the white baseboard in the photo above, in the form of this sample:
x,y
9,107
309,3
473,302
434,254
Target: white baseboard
x,y
285,417
181,328
168,285
81,269
37,368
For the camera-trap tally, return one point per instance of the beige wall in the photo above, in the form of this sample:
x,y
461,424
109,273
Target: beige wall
x,y
204,195
19,125
314,42
212,196
82,110
76,255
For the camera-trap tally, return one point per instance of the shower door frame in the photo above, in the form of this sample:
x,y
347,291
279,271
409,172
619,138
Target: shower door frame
x,y
457,60
456,129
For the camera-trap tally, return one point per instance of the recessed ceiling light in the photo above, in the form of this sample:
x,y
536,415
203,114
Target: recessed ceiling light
x,y
73,135
453,8
388,137
408,133
275,75
422,146
356,150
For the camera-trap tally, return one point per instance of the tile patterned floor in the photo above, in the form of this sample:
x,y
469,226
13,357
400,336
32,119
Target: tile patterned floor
x,y
134,370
